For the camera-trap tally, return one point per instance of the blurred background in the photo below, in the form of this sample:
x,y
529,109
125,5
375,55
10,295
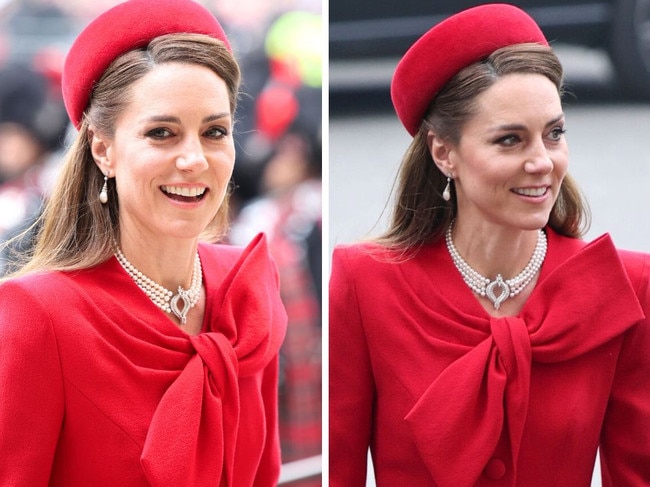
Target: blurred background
x,y
605,49
277,175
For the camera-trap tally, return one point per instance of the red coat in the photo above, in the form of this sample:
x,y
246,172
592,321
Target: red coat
x,y
444,395
99,388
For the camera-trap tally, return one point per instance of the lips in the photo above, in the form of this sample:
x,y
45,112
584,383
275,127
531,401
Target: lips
x,y
533,192
184,193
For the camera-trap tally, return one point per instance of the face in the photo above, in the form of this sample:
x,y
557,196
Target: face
x,y
512,155
172,154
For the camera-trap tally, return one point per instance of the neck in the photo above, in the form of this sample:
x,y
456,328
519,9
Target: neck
x,y
494,250
168,262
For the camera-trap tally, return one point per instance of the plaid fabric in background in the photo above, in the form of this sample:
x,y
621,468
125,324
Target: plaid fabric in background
x,y
300,357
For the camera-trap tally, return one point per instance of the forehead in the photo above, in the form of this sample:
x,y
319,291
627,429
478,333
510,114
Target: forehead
x,y
518,98
188,93
178,85
176,74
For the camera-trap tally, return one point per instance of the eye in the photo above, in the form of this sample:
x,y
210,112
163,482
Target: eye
x,y
508,140
216,132
159,133
557,133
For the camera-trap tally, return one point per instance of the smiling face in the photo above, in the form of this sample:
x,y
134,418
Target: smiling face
x,y
512,154
172,154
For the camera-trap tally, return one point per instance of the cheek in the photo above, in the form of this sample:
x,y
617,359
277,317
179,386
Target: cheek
x,y
224,163
561,163
133,178
128,187
136,165
228,167
486,176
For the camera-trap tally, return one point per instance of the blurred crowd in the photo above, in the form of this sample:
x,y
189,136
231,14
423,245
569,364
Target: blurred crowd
x,y
277,173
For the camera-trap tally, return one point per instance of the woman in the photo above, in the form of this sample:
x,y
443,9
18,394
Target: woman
x,y
132,354
480,341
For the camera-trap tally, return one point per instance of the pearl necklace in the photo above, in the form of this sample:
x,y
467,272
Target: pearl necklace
x,y
508,288
162,297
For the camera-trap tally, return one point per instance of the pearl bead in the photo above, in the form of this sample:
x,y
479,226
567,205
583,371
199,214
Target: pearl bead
x,y
161,296
479,283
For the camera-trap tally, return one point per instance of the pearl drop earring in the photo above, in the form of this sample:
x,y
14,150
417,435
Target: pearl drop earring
x,y
103,194
446,194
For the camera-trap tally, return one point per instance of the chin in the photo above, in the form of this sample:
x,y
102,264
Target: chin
x,y
529,221
185,229
535,223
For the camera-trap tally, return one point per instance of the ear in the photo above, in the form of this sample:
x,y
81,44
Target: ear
x,y
100,148
440,150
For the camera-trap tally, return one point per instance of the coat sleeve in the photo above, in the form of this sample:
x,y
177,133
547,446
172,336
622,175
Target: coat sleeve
x,y
625,442
31,385
269,468
351,386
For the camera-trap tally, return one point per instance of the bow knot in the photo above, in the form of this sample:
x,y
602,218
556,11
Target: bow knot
x,y
196,397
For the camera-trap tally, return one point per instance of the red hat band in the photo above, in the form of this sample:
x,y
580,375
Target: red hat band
x,y
453,44
127,26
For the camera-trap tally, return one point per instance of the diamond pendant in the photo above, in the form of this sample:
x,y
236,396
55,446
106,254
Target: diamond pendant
x,y
503,294
181,314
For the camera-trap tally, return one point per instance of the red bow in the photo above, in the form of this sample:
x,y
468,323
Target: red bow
x,y
193,433
488,386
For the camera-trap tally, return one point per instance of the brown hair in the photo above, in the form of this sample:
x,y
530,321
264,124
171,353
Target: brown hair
x,y
76,229
420,214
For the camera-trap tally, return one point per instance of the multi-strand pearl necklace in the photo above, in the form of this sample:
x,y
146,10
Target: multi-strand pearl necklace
x,y
162,297
507,288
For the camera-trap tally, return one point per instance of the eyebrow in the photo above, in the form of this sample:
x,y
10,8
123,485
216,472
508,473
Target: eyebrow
x,y
172,119
517,127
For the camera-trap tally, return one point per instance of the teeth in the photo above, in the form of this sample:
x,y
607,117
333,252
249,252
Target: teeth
x,y
530,191
183,191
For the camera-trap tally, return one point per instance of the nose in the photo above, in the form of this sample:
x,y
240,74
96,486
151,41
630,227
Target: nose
x,y
538,159
192,157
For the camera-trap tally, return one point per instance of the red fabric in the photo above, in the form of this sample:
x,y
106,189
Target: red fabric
x,y
100,388
127,26
448,47
445,395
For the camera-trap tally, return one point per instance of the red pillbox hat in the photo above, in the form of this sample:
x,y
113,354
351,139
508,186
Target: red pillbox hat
x,y
456,42
129,25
